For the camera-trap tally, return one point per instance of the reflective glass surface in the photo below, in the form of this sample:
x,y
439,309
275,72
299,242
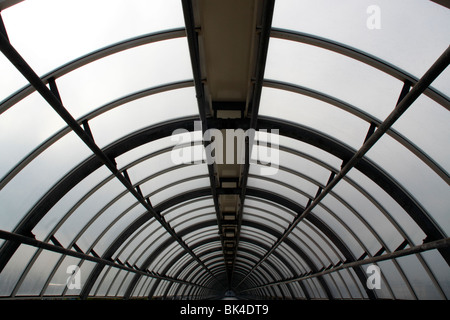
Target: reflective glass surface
x,y
105,155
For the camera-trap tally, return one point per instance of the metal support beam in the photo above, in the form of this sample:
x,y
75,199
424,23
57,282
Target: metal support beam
x,y
435,70
156,132
263,47
10,236
22,66
361,56
194,51
438,244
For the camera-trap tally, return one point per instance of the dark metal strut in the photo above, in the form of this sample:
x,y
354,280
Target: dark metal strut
x,y
22,66
435,70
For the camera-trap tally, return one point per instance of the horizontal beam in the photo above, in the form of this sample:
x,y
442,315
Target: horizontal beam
x,y
10,236
438,244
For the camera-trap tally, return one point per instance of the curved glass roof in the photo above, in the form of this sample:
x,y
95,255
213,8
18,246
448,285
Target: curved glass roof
x,y
172,149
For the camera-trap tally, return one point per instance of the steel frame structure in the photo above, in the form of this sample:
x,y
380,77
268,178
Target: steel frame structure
x,y
193,270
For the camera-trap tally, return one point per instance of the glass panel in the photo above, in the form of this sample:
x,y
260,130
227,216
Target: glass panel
x,y
336,286
298,263
253,214
311,151
285,273
106,281
147,287
117,228
392,30
99,280
205,247
185,273
24,127
308,288
66,203
11,79
114,211
261,236
394,279
424,185
86,268
198,216
154,146
59,36
125,284
374,217
173,289
39,273
157,186
320,240
298,290
14,269
439,268
210,233
117,283
150,243
333,74
425,123
160,264
359,284
312,289
159,292
130,244
60,279
157,165
21,193
141,113
405,222
204,233
201,234
123,73
187,206
351,285
319,287
254,248
84,212
441,82
262,204
418,277
315,114
310,248
180,189
293,195
334,253
353,223
305,183
139,289
316,257
250,217
271,273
